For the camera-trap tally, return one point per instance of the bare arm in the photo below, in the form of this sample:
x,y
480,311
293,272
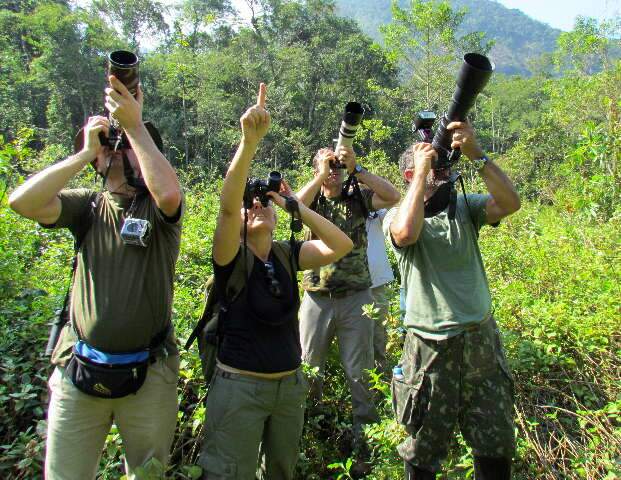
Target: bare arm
x,y
408,222
385,195
309,191
504,199
332,244
158,173
37,198
254,123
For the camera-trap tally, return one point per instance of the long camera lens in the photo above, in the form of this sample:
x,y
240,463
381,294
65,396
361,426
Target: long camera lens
x,y
124,66
350,123
474,74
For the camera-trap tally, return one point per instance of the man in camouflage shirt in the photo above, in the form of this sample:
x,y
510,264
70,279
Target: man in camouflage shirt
x,y
335,294
454,368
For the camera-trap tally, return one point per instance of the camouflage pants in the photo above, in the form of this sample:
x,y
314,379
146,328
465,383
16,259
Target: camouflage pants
x,y
463,380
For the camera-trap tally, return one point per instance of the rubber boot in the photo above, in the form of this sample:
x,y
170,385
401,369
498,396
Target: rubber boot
x,y
412,472
489,468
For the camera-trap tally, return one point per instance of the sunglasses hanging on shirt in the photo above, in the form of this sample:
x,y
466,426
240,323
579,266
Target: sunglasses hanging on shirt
x,y
272,283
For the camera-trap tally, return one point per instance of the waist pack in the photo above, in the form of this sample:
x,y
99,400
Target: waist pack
x,y
207,330
111,375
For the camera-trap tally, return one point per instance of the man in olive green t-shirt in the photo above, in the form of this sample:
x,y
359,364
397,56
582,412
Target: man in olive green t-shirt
x,y
335,293
121,298
453,367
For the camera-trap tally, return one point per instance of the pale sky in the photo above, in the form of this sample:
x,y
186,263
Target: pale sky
x,y
556,13
561,13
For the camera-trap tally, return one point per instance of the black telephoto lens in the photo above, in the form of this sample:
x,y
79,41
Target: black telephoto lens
x,y
124,65
474,74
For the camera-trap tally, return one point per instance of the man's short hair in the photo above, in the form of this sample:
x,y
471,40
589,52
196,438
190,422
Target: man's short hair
x,y
406,160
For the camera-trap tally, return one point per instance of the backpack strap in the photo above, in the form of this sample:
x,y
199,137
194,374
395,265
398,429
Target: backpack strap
x,y
284,252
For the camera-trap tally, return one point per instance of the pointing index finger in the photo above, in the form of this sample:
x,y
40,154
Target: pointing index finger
x,y
261,96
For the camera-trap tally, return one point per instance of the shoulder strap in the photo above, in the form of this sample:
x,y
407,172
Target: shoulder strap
x,y
285,254
237,282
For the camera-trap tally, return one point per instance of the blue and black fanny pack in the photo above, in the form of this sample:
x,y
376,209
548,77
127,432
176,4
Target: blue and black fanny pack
x,y
111,375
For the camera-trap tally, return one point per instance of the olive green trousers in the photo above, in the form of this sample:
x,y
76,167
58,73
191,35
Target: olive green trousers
x,y
253,426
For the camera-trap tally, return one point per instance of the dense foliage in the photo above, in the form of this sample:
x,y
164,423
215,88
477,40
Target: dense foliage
x,y
553,266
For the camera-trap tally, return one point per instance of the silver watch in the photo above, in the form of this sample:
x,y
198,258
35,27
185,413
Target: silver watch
x,y
480,162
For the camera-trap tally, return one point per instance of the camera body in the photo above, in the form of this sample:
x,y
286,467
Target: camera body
x,y
423,125
116,139
474,74
256,188
136,231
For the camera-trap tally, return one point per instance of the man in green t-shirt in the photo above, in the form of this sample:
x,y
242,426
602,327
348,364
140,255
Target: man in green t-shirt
x,y
453,366
121,298
335,294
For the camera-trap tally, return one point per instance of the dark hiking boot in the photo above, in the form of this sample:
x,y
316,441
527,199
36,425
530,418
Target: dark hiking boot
x,y
488,468
412,472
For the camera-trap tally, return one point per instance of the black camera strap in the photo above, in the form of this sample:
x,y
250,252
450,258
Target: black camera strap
x,y
351,189
295,225
474,222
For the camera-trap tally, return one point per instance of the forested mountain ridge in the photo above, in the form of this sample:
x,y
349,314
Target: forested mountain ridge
x,y
518,38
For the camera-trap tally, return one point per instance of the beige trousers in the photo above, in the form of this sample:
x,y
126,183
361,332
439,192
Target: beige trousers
x,y
77,424
321,319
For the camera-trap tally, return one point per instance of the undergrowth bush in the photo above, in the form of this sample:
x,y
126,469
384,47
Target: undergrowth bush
x,y
556,289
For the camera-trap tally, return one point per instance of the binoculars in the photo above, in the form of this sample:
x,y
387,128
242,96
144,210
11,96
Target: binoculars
x,y
256,188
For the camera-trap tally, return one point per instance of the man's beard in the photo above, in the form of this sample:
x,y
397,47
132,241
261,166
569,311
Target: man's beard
x,y
435,179
438,192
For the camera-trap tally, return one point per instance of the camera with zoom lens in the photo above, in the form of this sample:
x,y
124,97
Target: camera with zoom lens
x,y
256,188
124,66
474,74
352,117
136,231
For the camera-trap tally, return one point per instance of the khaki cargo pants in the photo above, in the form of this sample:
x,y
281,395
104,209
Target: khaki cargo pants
x,y
461,381
321,319
77,424
250,420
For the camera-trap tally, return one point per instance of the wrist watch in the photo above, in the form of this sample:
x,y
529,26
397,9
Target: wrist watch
x,y
480,162
359,168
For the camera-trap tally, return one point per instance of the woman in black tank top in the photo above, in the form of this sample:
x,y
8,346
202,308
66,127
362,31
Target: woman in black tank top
x,y
258,392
